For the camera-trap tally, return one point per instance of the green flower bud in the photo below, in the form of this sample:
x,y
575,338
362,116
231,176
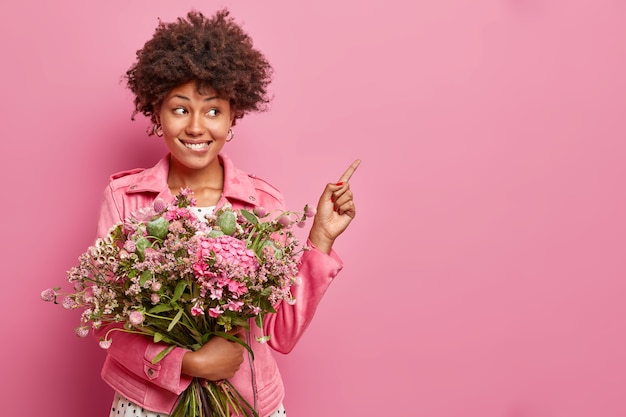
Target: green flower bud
x,y
227,222
157,228
215,233
140,245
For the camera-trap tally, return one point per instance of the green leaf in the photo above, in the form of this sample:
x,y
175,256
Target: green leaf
x,y
175,320
145,276
250,217
157,337
266,305
160,308
162,354
239,322
180,288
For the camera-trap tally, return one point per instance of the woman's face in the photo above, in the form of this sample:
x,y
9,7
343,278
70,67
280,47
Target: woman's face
x,y
195,126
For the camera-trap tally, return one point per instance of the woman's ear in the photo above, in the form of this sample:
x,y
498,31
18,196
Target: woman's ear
x,y
234,115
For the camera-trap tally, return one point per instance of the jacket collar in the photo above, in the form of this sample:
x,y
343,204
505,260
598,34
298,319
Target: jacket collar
x,y
237,184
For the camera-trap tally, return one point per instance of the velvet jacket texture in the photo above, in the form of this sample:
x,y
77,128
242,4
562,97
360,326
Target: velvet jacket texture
x,y
128,368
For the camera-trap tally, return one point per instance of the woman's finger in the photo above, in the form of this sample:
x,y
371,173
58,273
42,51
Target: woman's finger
x,y
348,174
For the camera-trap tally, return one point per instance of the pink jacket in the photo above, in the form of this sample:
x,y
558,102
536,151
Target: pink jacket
x,y
128,368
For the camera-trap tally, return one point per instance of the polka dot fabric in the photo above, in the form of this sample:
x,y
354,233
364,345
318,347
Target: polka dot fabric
x,y
122,407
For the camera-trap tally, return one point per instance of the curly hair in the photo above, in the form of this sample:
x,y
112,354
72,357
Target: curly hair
x,y
215,52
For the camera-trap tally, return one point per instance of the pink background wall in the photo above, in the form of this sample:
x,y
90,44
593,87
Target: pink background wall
x,y
485,273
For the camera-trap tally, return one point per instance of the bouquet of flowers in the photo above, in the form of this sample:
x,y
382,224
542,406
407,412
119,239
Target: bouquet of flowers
x,y
180,280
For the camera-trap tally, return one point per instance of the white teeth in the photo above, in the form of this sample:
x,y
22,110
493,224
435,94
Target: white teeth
x,y
197,146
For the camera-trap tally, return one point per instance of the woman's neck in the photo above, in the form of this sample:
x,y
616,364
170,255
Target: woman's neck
x,y
207,184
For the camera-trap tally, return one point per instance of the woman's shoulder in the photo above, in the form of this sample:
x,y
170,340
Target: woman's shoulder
x,y
124,177
264,186
141,179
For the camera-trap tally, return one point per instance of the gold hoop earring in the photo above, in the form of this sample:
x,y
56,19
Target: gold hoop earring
x,y
158,130
231,135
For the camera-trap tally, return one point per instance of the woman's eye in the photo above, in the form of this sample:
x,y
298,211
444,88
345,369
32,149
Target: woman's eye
x,y
179,110
213,112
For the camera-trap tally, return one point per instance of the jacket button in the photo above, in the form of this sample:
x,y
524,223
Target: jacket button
x,y
150,371
252,198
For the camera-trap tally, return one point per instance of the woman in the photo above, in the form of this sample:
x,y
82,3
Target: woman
x,y
194,79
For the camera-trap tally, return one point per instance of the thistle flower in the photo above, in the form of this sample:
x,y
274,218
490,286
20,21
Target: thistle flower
x,y
105,343
48,295
82,331
69,303
159,205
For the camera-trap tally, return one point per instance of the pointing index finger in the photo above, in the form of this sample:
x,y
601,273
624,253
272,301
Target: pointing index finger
x,y
348,174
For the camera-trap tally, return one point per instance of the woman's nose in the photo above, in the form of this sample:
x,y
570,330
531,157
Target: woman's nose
x,y
195,126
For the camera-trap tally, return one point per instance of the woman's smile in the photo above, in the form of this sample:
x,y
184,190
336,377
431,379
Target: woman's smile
x,y
196,146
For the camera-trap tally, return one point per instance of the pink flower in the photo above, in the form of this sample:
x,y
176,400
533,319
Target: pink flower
x,y
260,211
69,303
228,252
284,220
156,286
48,295
215,312
310,211
105,344
234,305
135,318
196,311
236,287
82,331
216,293
155,298
130,246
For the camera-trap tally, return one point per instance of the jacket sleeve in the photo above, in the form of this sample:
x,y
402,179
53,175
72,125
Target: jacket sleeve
x,y
316,272
134,351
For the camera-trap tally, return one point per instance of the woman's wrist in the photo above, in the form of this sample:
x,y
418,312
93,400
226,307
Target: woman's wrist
x,y
320,240
190,364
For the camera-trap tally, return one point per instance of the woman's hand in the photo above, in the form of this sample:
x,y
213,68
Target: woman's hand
x,y
216,360
335,211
